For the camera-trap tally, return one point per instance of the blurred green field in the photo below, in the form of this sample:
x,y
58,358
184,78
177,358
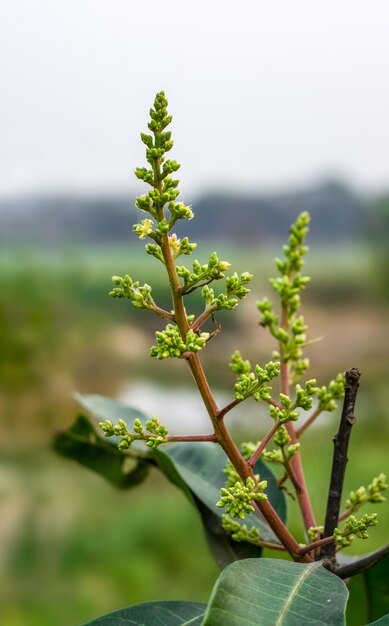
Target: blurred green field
x,y
71,547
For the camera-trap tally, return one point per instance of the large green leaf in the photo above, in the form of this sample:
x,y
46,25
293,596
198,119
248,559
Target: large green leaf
x,y
384,621
195,467
200,466
109,409
271,592
370,589
84,444
377,588
224,549
169,613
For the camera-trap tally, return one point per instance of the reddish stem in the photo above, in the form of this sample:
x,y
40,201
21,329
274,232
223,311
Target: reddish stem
x,y
255,456
191,438
295,462
162,313
201,318
231,405
272,546
317,544
308,422
345,515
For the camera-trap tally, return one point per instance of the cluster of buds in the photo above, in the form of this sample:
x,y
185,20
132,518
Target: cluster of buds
x,y
327,395
202,274
140,295
236,290
354,528
170,343
315,532
253,384
303,400
179,211
288,286
155,432
373,493
247,450
237,499
285,449
240,532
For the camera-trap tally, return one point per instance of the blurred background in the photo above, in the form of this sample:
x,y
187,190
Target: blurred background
x,y
278,107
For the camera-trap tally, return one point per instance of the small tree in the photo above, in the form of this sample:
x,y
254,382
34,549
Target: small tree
x,y
242,504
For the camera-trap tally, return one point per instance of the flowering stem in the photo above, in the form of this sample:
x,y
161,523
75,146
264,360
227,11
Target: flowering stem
x,y
317,544
296,465
272,546
290,471
201,319
255,456
345,515
191,438
231,405
308,422
162,313
222,435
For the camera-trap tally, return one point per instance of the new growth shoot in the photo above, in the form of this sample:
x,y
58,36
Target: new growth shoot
x,y
282,383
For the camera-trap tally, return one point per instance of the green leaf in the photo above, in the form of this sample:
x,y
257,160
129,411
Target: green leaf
x,y
109,409
271,592
200,467
195,467
384,621
84,444
224,549
370,589
377,588
169,613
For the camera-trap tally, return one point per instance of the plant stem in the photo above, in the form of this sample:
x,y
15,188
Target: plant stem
x,y
345,515
162,313
339,461
272,546
231,405
308,422
222,435
273,402
290,472
191,438
362,564
201,319
295,462
257,453
316,544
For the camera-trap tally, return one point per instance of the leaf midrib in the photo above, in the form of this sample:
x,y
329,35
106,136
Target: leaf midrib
x,y
307,571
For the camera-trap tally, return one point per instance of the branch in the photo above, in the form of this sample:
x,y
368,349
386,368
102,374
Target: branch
x,y
183,291
345,515
201,319
296,464
255,456
292,474
231,405
308,422
162,313
339,461
271,546
316,544
273,402
191,438
360,565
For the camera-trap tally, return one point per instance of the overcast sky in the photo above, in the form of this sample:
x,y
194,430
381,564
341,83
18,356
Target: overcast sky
x,y
263,93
